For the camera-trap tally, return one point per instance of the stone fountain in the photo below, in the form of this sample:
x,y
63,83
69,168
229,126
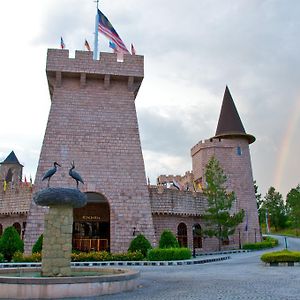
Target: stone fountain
x,y
57,279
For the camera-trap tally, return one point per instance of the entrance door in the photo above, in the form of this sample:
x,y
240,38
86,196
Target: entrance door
x,y
91,227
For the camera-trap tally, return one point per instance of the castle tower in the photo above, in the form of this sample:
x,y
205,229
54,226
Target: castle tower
x,y
10,169
93,122
230,146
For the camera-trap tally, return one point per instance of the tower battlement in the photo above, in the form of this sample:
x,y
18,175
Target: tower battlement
x,y
214,142
108,64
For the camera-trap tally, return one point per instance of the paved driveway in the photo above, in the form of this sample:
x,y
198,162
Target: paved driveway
x,y
241,277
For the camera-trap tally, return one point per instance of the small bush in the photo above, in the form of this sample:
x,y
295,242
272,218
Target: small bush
x,y
1,258
281,256
168,240
268,242
140,243
19,257
38,246
169,254
10,242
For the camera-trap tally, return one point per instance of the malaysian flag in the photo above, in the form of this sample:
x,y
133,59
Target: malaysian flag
x,y
107,29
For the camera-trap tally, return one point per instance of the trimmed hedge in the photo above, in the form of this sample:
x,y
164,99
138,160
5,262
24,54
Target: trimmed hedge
x,y
268,242
19,257
140,243
281,256
84,256
169,254
106,256
168,240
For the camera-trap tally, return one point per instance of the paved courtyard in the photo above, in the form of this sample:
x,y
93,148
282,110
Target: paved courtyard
x,y
241,277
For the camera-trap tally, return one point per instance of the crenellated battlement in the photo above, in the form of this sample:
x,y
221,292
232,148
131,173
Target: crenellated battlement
x,y
216,142
59,61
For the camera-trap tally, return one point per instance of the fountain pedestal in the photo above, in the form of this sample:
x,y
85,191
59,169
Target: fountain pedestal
x,y
57,241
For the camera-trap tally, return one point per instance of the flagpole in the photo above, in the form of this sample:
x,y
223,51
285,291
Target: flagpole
x,y
95,54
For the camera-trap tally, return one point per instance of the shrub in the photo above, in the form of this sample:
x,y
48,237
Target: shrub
x,y
10,243
1,258
106,256
19,257
140,243
169,254
168,240
268,242
281,256
38,246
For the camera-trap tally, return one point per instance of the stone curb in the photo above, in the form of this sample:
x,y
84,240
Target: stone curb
x,y
283,264
224,252
123,263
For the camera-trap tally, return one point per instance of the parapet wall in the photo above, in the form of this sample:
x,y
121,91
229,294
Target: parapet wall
x,y
59,61
175,202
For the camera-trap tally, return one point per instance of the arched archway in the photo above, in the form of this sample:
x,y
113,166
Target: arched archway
x,y
17,227
197,236
182,235
1,229
91,227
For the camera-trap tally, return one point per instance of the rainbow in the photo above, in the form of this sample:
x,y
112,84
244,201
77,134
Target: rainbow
x,y
285,146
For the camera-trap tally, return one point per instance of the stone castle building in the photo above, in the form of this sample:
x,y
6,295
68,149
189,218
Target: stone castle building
x,y
93,122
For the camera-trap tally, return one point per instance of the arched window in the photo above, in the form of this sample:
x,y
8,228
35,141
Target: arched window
x,y
182,235
9,175
1,229
17,227
197,236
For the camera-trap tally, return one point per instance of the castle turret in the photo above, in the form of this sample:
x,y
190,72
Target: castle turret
x,y
10,169
230,146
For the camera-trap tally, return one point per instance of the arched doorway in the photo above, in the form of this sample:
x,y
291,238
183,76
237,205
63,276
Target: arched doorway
x,y
17,227
1,229
197,236
91,227
182,235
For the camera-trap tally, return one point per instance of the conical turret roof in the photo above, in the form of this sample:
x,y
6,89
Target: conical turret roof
x,y
11,159
230,124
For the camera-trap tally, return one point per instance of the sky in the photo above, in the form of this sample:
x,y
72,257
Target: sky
x,y
192,50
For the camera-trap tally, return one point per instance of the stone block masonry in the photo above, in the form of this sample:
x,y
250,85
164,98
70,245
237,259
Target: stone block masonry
x,y
93,122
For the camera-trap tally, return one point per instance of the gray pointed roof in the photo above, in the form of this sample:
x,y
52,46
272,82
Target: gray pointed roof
x,y
230,124
11,159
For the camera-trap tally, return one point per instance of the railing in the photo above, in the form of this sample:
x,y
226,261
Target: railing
x,y
87,244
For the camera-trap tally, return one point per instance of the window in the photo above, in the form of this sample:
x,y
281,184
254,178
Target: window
x,y
239,151
182,235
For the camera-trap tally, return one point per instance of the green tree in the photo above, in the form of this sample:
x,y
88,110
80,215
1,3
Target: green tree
x,y
293,206
10,243
220,222
273,202
259,201
38,246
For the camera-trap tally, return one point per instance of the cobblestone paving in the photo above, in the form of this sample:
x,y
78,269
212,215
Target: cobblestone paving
x,y
241,277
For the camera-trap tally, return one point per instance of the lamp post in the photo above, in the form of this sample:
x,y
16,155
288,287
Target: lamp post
x,y
194,252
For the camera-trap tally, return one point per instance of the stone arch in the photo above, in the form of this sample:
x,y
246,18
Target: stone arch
x,y
18,227
91,226
182,234
197,236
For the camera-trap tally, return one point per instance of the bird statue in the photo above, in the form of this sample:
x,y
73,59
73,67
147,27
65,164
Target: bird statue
x,y
51,172
75,175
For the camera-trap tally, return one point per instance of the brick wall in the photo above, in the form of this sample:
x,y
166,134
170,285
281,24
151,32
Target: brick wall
x,y
239,177
93,121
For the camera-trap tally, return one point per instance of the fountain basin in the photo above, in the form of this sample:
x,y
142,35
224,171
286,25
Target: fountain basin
x,y
21,283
